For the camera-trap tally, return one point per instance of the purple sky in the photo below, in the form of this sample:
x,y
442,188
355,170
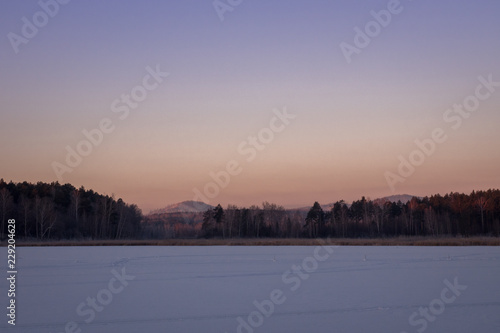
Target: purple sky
x,y
227,81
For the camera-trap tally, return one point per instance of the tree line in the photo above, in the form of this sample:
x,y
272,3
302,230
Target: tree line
x,y
55,211
454,214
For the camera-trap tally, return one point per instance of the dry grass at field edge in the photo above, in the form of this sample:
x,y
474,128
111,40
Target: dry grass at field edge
x,y
399,241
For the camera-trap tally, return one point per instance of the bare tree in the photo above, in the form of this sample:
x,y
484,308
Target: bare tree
x,y
25,205
431,221
412,205
5,206
482,202
379,212
45,216
123,217
106,210
75,204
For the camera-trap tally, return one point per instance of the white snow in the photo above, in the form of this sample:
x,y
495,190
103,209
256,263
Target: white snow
x,y
206,289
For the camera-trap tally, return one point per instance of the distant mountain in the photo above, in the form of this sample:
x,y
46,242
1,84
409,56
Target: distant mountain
x,y
184,207
404,198
200,207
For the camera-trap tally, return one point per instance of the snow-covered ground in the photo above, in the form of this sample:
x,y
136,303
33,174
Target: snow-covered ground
x,y
255,289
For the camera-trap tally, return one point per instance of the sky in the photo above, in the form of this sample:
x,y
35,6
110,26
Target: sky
x,y
240,102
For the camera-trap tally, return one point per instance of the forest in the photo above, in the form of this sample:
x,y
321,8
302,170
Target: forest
x,y
453,214
53,211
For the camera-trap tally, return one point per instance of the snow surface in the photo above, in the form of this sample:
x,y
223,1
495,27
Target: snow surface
x,y
206,289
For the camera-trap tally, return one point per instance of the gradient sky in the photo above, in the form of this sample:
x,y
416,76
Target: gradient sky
x,y
226,78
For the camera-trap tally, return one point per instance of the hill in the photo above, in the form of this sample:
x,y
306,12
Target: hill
x,y
183,207
404,198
